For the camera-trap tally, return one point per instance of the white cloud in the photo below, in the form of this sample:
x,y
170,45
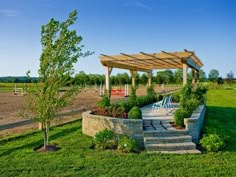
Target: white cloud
x,y
8,12
142,5
137,4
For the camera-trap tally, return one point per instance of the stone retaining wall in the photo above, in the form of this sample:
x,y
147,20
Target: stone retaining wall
x,y
91,124
194,123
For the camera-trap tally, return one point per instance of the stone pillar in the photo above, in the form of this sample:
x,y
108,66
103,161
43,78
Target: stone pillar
x,y
185,67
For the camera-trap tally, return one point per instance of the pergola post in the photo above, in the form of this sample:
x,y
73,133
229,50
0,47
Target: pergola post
x,y
107,77
133,75
149,79
198,77
185,67
40,126
193,76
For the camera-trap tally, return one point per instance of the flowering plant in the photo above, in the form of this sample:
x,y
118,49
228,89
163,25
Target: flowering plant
x,y
111,111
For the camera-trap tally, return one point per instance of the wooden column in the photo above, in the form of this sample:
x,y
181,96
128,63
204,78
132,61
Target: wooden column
x,y
185,67
198,77
193,76
149,79
133,75
40,126
107,77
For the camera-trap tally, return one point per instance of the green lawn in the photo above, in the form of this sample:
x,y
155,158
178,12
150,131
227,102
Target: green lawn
x,y
76,158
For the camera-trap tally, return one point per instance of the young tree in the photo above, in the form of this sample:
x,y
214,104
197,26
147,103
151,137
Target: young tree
x,y
230,77
178,76
60,50
202,75
144,79
213,75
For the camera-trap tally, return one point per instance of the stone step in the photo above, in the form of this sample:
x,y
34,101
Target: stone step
x,y
165,133
158,121
195,151
171,146
171,139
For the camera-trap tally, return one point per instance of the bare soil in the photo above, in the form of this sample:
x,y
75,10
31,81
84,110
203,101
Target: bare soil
x,y
85,100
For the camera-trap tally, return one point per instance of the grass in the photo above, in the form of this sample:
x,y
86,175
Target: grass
x,y
76,158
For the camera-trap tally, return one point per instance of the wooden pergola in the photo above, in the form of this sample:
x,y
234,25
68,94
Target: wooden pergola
x,y
146,62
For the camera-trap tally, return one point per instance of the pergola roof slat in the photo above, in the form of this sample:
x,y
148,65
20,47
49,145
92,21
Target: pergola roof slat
x,y
161,60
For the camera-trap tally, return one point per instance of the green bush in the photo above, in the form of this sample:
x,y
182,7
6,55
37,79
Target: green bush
x,y
142,101
176,97
135,113
127,144
150,91
160,97
126,105
104,102
190,105
200,93
105,139
179,116
212,142
133,97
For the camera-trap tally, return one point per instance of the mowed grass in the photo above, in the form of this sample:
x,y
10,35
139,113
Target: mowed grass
x,y
77,158
221,114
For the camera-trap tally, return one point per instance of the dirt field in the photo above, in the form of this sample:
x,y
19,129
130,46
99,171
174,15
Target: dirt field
x,y
85,100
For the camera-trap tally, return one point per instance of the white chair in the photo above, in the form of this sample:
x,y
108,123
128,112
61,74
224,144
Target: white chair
x,y
160,104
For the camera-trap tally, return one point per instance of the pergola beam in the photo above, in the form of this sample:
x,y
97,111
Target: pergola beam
x,y
197,60
191,63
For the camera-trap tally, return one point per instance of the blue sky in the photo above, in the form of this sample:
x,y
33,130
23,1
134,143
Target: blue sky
x,y
207,27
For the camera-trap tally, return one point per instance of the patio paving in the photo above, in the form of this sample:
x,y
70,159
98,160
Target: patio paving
x,y
162,114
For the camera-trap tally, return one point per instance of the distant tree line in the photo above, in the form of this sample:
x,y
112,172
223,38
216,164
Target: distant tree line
x,y
166,76
18,79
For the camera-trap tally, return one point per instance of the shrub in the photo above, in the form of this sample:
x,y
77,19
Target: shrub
x,y
135,113
104,102
176,97
118,111
160,97
212,142
105,139
186,92
144,100
151,92
133,97
189,105
100,111
179,116
126,105
200,93
127,144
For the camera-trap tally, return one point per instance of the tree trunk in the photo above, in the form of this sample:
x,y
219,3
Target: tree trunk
x,y
45,134
46,126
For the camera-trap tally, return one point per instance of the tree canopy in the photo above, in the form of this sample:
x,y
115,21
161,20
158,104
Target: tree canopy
x,y
213,75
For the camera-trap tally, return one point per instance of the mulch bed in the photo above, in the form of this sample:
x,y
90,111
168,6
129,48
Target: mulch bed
x,y
177,127
48,148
